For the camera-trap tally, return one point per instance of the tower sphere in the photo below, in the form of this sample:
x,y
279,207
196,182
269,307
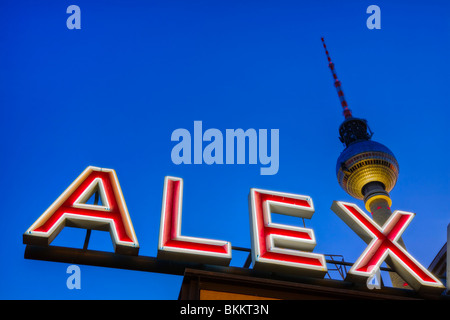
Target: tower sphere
x,y
363,162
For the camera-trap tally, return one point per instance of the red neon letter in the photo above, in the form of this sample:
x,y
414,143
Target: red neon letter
x,y
278,246
71,209
382,242
172,245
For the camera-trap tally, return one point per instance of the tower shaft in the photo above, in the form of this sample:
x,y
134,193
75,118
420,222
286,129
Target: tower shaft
x,y
381,211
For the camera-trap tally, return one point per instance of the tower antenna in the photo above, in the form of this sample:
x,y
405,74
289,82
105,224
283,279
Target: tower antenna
x,y
347,112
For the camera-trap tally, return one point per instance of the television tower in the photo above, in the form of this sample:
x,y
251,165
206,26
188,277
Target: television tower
x,y
366,170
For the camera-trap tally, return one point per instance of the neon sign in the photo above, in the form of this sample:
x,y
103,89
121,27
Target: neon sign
x,y
71,209
382,244
275,247
172,245
279,246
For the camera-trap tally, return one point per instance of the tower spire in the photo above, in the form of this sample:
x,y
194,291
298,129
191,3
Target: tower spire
x,y
347,112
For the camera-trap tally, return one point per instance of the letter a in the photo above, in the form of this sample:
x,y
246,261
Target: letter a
x,y
74,21
74,280
374,21
71,209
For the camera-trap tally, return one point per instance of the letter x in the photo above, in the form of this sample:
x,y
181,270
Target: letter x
x,y
382,242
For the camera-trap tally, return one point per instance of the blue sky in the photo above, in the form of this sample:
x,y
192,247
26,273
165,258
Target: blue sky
x,y
111,94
